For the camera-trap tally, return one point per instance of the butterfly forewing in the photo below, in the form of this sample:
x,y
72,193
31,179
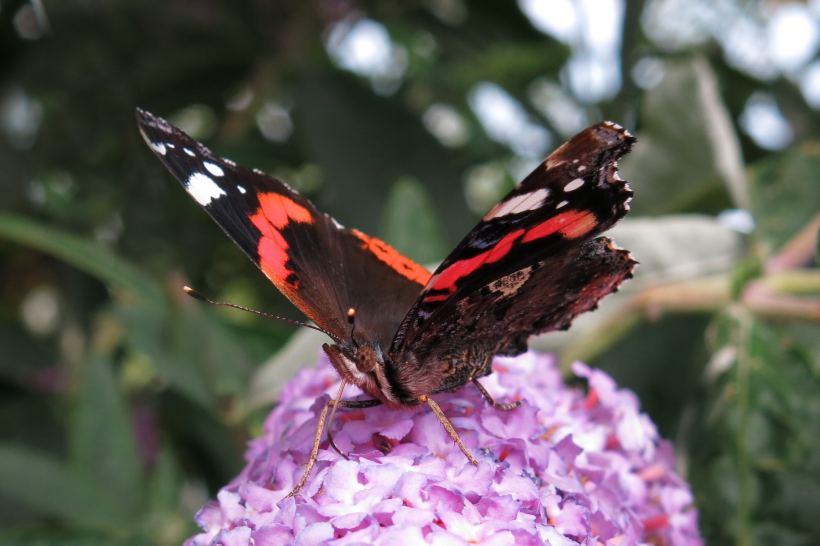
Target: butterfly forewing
x,y
323,268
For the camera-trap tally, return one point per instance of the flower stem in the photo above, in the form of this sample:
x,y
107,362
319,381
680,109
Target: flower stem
x,y
743,509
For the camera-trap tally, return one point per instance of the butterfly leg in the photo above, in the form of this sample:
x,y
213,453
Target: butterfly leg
x,y
449,426
317,438
352,404
493,403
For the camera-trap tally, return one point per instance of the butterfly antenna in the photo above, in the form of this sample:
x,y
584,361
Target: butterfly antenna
x,y
351,318
197,296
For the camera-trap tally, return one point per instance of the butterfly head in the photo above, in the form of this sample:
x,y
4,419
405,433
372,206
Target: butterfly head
x,y
364,366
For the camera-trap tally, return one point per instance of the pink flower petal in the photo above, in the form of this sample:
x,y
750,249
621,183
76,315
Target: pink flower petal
x,y
272,535
314,534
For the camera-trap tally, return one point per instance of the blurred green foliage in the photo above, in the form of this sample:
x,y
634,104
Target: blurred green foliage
x,y
124,404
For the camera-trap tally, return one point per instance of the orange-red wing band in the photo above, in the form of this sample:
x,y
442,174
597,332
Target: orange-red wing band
x,y
274,213
387,254
447,279
570,224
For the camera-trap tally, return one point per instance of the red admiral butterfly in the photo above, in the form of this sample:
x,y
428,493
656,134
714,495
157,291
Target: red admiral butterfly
x,y
401,334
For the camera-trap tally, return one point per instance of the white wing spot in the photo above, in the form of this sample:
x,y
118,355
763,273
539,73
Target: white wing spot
x,y
616,127
519,203
189,152
158,147
241,189
575,161
582,168
214,169
574,185
203,189
170,145
562,204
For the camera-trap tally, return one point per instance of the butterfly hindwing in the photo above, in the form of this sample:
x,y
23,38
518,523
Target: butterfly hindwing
x,y
323,268
499,318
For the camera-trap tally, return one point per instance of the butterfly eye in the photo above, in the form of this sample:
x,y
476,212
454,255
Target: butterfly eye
x,y
365,360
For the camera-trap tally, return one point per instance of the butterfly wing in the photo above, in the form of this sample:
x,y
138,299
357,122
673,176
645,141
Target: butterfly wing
x,y
530,266
323,268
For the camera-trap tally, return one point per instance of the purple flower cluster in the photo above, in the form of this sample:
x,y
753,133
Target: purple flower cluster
x,y
564,468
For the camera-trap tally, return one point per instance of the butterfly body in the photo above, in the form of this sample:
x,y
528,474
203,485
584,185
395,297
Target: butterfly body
x,y
401,334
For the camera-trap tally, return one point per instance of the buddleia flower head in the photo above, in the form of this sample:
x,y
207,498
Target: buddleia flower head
x,y
568,467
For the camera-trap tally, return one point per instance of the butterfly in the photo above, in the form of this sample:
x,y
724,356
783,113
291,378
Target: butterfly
x,y
402,334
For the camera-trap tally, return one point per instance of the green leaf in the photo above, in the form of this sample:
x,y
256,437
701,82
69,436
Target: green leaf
x,y
688,156
163,488
200,338
83,254
200,436
150,338
805,340
21,351
103,446
786,193
49,486
30,419
165,520
197,353
410,225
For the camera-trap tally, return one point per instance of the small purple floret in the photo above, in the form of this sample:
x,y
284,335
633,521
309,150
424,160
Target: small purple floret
x,y
566,468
